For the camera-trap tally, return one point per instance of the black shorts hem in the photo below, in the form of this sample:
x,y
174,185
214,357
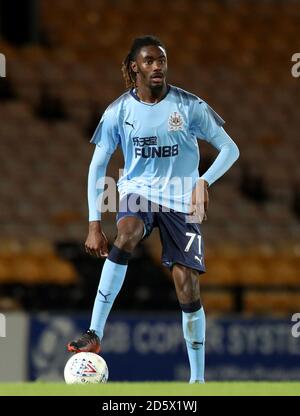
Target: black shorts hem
x,y
182,263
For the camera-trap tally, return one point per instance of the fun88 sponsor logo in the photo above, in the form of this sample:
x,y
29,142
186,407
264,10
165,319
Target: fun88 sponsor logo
x,y
146,147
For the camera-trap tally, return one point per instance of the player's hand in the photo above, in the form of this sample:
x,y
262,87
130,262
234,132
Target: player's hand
x,y
96,243
200,201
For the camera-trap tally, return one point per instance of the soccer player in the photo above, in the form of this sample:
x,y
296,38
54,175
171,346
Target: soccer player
x,y
157,126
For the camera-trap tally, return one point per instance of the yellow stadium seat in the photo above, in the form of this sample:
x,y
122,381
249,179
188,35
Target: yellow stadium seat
x,y
220,271
272,303
217,302
58,271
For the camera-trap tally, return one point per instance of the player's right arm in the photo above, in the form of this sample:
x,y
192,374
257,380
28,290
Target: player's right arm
x,y
96,242
106,139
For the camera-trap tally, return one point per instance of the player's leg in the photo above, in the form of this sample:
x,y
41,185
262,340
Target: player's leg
x,y
187,286
183,254
130,232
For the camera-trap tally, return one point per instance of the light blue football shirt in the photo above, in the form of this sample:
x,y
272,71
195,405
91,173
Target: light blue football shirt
x,y
159,144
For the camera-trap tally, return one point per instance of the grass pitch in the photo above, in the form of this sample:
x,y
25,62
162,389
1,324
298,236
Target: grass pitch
x,y
152,389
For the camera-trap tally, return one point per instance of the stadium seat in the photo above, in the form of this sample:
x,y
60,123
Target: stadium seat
x,y
271,303
43,199
217,302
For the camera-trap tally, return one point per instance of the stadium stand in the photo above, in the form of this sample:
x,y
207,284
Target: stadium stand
x,y
56,91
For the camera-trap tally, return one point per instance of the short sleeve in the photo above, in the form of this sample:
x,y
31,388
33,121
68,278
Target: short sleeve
x,y
205,122
106,134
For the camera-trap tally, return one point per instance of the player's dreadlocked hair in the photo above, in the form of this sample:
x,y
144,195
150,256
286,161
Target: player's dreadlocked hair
x,y
128,74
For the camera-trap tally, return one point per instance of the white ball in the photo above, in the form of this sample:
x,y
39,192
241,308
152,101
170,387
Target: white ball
x,y
86,367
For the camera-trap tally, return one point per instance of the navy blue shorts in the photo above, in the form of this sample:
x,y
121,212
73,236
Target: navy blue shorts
x,y
182,242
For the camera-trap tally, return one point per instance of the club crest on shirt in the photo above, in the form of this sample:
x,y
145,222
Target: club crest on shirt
x,y
175,122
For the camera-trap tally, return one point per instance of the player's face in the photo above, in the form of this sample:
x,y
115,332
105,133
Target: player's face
x,y
151,66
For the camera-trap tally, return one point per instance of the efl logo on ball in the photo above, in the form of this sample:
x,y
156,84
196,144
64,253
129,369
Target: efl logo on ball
x,y
86,367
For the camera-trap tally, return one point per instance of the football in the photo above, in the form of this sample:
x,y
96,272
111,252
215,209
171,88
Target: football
x,y
86,368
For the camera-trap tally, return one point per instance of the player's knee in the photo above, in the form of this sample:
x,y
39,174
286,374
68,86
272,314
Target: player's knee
x,y
187,284
127,240
130,232
187,294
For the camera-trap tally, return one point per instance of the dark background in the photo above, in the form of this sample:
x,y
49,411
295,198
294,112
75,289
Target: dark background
x,y
63,63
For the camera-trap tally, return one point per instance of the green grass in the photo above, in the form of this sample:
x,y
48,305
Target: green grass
x,y
152,389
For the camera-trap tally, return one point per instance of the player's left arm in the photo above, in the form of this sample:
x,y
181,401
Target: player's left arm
x,y
228,154
207,125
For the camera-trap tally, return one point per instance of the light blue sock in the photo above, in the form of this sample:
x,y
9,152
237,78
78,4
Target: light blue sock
x,y
111,281
194,334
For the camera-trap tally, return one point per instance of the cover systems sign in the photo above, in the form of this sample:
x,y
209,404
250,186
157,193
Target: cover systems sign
x,y
153,348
